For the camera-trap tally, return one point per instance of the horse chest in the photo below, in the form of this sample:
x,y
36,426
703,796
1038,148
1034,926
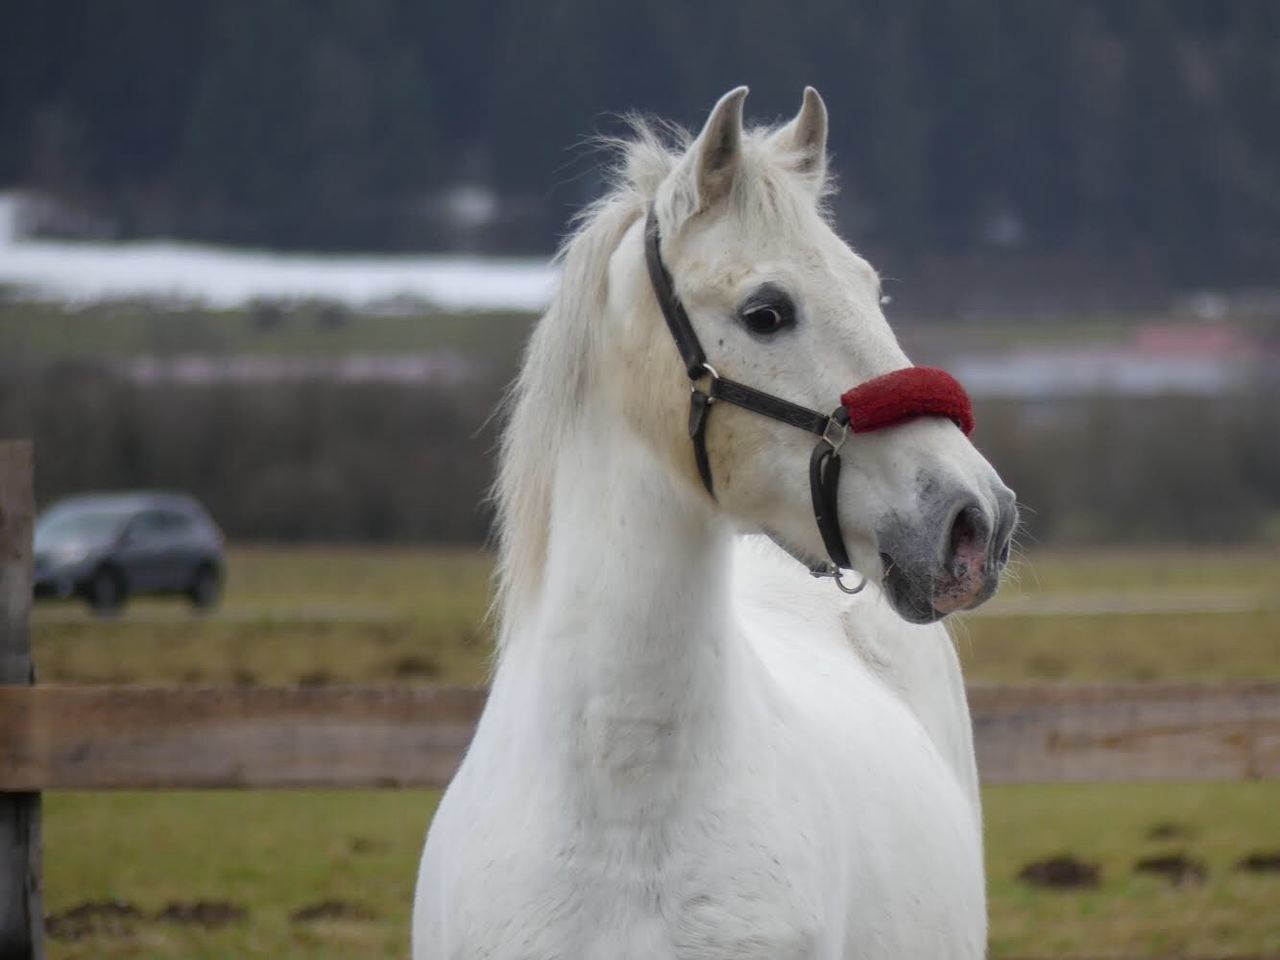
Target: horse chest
x,y
857,851
753,910
704,903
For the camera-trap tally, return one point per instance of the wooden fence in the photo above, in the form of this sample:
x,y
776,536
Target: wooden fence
x,y
78,737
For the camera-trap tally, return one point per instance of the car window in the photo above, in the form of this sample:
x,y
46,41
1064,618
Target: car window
x,y
174,522
88,524
147,526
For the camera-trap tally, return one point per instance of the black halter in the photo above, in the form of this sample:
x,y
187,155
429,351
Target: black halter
x,y
824,464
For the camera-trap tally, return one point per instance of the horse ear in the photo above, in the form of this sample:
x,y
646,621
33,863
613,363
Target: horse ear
x,y
706,174
806,137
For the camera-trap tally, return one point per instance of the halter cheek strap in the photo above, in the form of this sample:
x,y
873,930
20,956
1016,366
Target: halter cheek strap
x,y
878,403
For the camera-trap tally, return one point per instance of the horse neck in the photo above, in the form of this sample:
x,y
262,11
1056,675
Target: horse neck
x,y
628,646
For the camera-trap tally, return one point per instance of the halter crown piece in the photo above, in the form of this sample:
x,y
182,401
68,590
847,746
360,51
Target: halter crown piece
x,y
883,401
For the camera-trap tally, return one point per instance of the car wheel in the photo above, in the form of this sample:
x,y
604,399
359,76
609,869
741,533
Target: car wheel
x,y
206,587
106,591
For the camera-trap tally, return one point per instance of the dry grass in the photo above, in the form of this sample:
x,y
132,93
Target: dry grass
x,y
349,615
1235,635
291,616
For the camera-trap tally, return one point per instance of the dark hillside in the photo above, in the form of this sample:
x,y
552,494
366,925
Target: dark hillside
x,y
1117,138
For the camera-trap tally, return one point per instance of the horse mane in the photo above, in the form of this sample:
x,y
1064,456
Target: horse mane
x,y
540,406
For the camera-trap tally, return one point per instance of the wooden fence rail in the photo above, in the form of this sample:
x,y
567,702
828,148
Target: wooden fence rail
x,y
75,737
72,738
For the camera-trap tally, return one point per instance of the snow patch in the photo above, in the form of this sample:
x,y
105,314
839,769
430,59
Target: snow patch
x,y
86,272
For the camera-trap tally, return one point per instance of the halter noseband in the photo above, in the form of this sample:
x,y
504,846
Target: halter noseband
x,y
881,402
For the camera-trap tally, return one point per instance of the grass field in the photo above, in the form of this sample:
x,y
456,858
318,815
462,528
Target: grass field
x,y
321,328
361,616
329,875
130,328
36,331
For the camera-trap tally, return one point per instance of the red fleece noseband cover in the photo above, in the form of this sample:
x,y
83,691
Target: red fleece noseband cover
x,y
906,394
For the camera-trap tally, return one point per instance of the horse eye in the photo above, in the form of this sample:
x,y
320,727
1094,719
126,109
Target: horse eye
x,y
765,319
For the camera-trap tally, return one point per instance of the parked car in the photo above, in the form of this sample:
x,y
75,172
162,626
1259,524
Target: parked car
x,y
107,547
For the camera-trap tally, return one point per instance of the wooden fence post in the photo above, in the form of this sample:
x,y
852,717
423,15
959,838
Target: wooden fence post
x,y
21,904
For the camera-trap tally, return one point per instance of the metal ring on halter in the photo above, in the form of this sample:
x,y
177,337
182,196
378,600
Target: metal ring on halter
x,y
827,570
849,590
710,372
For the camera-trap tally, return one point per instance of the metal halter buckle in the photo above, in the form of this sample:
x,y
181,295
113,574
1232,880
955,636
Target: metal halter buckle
x,y
841,433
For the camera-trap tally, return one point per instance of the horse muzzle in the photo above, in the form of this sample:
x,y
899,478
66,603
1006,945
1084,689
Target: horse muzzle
x,y
953,561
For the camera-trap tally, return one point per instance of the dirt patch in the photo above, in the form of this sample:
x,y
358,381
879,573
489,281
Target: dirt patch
x,y
315,678
113,918
366,846
209,914
333,910
385,634
1062,872
1177,868
1046,666
1171,830
1266,861
242,677
414,666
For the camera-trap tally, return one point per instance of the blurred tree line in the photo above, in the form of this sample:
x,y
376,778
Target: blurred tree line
x,y
1136,133
329,461
291,461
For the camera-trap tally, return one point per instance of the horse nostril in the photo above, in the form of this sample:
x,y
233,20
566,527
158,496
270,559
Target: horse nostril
x,y
968,532
1004,553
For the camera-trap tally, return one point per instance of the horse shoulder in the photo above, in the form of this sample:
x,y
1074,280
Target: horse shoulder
x,y
894,805
920,665
814,628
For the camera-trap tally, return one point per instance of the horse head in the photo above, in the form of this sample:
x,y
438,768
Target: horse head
x,y
777,303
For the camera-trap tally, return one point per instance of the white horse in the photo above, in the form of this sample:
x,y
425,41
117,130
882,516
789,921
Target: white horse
x,y
693,749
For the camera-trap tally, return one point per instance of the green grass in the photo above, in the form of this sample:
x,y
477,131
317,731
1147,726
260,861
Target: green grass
x,y
291,616
1201,570
36,331
350,615
130,327
1185,646
1232,914
272,854
411,616
1235,635
276,853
